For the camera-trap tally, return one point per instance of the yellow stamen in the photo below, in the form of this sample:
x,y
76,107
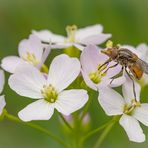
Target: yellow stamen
x,y
30,58
98,75
71,30
109,44
49,93
128,109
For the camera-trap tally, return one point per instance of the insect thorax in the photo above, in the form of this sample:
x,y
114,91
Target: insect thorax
x,y
125,57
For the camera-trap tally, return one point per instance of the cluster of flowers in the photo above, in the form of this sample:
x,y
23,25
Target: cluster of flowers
x,y
31,78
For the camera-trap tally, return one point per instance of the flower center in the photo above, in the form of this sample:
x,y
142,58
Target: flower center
x,y
128,109
30,58
49,93
98,75
71,31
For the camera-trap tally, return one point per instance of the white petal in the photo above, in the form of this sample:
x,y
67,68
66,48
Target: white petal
x,y
70,101
145,78
143,51
95,39
45,55
10,63
2,80
48,36
33,46
118,81
27,81
38,110
63,71
127,90
141,113
2,104
111,101
89,31
88,81
79,46
132,128
91,58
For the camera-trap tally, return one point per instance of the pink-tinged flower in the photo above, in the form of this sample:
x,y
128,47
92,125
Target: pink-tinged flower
x,y
29,82
131,111
94,76
142,52
30,51
2,98
75,37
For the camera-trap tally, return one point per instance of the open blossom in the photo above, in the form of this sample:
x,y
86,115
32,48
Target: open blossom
x,y
29,82
142,52
131,111
30,51
75,37
94,76
2,98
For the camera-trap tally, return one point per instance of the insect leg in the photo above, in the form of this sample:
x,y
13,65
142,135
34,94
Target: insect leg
x,y
117,76
133,83
111,67
105,63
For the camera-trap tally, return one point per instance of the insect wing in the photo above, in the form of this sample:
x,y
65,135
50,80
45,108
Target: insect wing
x,y
143,65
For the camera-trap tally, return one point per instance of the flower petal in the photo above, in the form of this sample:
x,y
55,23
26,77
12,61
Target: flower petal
x,y
45,55
88,81
141,113
2,80
91,58
27,81
132,128
111,101
2,104
127,90
118,81
78,46
143,51
95,39
88,31
33,46
63,71
38,110
70,101
10,63
48,36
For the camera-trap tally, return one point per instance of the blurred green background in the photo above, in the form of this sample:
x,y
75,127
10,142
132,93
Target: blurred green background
x,y
127,21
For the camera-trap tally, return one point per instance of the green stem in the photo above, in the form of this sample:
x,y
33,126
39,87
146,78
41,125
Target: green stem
x,y
37,127
96,130
66,123
85,110
106,131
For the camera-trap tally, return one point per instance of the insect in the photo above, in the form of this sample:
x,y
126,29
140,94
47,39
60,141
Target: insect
x,y
127,59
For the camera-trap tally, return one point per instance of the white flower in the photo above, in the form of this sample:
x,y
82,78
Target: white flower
x,y
29,82
91,59
131,110
30,51
75,37
2,98
142,52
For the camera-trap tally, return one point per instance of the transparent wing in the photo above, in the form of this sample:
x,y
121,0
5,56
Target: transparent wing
x,y
143,65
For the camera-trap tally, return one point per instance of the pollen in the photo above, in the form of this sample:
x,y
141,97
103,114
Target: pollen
x,y
49,93
31,58
109,44
98,75
71,31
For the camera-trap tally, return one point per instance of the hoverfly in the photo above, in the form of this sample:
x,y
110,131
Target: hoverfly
x,y
127,59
